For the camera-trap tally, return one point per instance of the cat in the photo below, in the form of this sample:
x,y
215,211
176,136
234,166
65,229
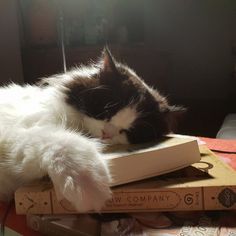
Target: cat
x,y
56,128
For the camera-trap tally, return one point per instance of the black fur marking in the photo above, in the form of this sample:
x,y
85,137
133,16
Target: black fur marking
x,y
114,87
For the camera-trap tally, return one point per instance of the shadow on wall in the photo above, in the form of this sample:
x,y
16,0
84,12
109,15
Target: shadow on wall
x,y
200,36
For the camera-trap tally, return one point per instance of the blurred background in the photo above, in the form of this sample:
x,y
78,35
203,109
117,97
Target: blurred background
x,y
185,48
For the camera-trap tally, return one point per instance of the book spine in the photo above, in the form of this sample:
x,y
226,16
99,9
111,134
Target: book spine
x,y
148,200
61,225
37,223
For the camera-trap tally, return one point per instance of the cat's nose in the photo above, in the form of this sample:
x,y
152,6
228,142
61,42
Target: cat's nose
x,y
109,131
106,135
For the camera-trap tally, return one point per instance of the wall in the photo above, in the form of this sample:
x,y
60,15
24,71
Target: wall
x,y
199,35
10,56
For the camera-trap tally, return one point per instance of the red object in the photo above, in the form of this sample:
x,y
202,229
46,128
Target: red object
x,y
16,222
226,149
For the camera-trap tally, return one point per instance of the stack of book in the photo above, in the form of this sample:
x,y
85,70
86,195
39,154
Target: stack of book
x,y
174,175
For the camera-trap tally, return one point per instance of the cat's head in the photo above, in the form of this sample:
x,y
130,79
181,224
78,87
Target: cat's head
x,y
117,105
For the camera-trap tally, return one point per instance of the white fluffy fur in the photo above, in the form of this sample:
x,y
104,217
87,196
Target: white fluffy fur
x,y
36,139
41,135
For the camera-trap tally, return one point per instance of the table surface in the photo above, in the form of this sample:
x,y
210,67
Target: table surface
x,y
225,149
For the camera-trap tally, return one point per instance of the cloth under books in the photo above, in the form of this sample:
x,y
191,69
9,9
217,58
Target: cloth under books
x,y
218,223
228,128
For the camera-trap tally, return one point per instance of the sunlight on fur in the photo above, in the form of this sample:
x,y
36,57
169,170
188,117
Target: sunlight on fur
x,y
53,128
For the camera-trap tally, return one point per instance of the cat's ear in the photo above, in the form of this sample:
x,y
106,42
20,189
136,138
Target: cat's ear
x,y
174,115
108,62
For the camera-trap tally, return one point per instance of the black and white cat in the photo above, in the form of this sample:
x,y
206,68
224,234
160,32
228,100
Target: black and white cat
x,y
53,128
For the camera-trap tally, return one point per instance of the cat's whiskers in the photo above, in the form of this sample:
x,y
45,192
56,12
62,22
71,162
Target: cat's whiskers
x,y
101,87
144,114
110,105
133,100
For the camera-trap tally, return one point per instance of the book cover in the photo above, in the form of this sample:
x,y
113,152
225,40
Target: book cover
x,y
207,185
224,148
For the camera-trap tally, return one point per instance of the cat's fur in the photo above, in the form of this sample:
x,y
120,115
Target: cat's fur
x,y
50,129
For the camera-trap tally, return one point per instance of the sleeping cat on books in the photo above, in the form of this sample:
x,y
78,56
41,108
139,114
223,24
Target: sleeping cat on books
x,y
52,129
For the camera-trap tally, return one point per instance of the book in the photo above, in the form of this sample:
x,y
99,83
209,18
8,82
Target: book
x,y
128,163
207,223
61,225
209,184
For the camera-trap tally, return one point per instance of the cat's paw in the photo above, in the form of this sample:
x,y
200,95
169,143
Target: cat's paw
x,y
80,175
